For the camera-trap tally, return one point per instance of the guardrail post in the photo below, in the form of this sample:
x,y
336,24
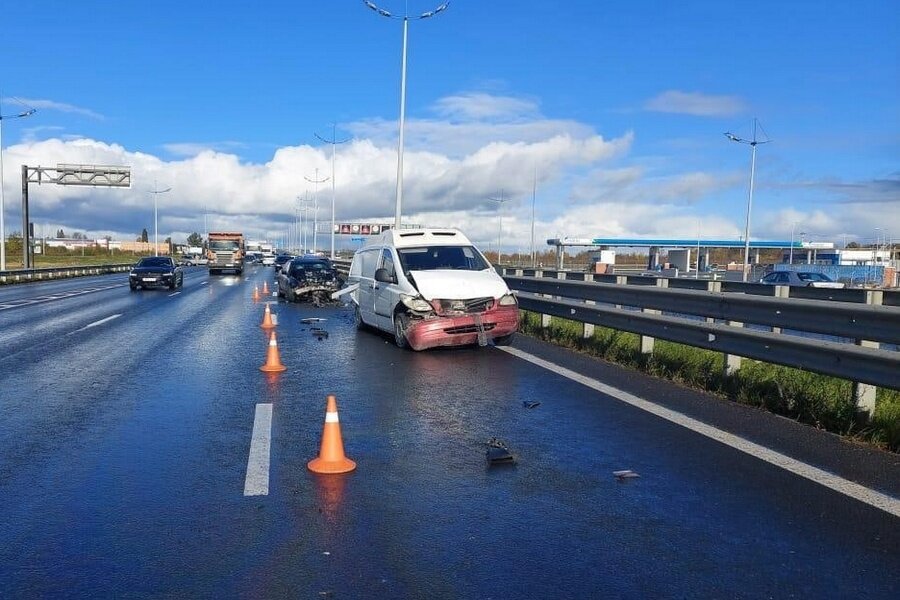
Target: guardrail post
x,y
545,319
647,341
781,291
732,361
713,286
588,330
864,393
621,280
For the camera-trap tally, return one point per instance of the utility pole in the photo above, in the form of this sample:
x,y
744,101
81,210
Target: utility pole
x,y
499,202
334,142
316,181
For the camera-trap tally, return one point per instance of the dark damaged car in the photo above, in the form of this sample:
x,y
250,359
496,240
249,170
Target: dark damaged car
x,y
308,279
155,271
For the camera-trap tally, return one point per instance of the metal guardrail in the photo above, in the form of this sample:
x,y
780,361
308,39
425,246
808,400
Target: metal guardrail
x,y
26,275
602,304
342,265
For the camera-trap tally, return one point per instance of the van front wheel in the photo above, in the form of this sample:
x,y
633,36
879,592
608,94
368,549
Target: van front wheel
x,y
401,322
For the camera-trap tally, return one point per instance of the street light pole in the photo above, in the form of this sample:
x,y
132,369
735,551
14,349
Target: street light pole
x,y
20,115
316,181
499,202
405,18
156,192
753,144
333,141
533,194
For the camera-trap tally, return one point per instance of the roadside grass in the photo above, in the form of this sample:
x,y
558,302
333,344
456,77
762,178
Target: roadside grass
x,y
821,401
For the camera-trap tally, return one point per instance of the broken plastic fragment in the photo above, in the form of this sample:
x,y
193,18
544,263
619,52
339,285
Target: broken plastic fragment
x,y
625,474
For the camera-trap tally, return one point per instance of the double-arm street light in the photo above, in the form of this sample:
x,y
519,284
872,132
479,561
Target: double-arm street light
x,y
406,19
21,115
316,181
753,144
156,192
333,141
499,202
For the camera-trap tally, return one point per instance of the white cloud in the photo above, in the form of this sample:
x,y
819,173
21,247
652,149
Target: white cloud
x,y
695,103
62,107
482,106
584,185
195,148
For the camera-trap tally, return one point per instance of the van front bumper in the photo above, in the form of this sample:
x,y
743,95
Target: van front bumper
x,y
462,330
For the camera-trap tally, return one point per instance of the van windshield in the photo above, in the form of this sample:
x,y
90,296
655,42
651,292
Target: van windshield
x,y
431,258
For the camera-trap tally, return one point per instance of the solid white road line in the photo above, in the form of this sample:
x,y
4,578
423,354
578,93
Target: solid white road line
x,y
100,322
873,498
257,480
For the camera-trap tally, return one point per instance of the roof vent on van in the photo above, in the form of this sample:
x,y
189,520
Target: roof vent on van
x,y
412,234
448,233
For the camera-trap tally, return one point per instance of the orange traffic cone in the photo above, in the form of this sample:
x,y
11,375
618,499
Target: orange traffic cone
x,y
331,455
265,288
273,360
256,293
267,319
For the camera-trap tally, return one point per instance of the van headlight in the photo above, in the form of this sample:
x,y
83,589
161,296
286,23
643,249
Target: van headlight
x,y
507,300
416,303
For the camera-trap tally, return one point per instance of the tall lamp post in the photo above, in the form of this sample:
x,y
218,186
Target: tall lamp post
x,y
499,202
20,115
334,142
316,181
406,19
156,192
753,144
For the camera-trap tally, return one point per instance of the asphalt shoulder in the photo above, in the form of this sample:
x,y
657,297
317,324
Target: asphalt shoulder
x,y
854,461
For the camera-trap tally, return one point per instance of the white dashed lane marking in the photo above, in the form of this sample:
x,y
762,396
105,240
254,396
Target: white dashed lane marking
x,y
100,322
873,498
257,480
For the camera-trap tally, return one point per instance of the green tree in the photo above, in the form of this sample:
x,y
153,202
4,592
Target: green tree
x,y
195,239
144,235
60,233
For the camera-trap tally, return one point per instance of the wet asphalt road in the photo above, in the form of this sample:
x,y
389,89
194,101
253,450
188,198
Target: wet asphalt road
x,y
124,449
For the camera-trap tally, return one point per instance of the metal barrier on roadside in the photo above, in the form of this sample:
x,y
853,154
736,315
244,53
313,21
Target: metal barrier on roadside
x,y
26,275
715,317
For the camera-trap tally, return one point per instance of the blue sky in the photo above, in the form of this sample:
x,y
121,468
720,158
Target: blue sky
x,y
617,110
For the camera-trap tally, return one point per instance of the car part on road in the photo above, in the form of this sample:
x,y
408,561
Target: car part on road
x,y
530,403
498,452
625,474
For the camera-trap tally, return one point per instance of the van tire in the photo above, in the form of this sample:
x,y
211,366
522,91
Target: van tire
x,y
401,322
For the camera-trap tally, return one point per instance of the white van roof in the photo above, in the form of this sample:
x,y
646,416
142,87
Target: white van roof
x,y
406,238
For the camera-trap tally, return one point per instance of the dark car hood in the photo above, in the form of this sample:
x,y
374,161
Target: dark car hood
x,y
151,270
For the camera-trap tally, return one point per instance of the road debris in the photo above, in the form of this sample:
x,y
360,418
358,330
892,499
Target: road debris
x,y
310,320
498,452
530,403
625,474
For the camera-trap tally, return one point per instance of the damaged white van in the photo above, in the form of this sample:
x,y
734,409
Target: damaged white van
x,y
431,287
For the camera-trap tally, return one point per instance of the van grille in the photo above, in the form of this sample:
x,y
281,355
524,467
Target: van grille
x,y
473,328
470,306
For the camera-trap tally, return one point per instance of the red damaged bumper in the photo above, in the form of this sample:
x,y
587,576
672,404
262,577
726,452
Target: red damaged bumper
x,y
463,329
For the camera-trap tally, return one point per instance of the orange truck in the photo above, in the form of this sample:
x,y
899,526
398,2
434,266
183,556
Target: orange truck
x,y
225,252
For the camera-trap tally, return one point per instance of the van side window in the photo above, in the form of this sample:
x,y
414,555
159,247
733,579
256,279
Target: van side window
x,y
387,262
369,260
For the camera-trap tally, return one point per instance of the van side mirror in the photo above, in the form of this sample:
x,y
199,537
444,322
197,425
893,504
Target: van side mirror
x,y
383,276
